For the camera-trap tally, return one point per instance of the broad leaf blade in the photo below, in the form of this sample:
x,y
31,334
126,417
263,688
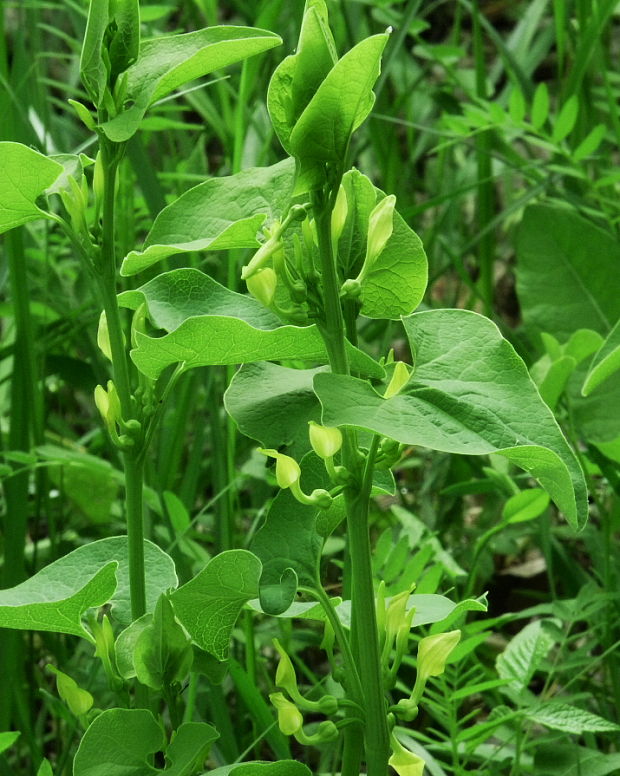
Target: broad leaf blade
x,y
208,324
209,604
55,598
168,62
280,768
555,250
471,394
26,174
219,214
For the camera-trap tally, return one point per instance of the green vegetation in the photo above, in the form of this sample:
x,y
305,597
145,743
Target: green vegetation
x,y
290,488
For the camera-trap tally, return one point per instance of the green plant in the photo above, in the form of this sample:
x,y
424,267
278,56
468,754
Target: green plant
x,y
333,248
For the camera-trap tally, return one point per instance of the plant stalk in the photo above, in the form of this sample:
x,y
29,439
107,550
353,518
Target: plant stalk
x,y
357,501
132,460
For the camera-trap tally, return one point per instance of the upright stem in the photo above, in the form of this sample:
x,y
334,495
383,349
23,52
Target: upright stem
x,y
357,500
132,460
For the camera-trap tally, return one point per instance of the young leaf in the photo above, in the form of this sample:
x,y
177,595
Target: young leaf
x,y
8,739
209,604
470,393
299,75
219,214
26,174
208,324
55,598
605,363
555,246
93,71
590,143
125,45
168,62
340,104
516,105
540,105
525,505
566,119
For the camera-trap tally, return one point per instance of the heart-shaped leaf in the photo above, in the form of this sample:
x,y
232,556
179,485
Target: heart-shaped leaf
x,y
55,598
209,604
219,214
208,324
26,174
469,393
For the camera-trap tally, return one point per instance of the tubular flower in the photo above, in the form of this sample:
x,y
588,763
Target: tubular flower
x,y
404,762
290,719
325,440
287,468
262,285
433,652
380,227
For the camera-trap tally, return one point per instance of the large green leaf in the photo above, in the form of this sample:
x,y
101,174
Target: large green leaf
x,y
396,283
570,719
273,404
209,324
55,598
280,768
564,264
121,742
219,214
167,62
288,543
469,393
340,104
605,363
524,654
209,604
26,174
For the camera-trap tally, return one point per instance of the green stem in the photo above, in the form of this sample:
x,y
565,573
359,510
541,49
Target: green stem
x,y
133,464
357,500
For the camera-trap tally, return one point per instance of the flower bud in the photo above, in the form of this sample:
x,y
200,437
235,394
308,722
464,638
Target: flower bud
x,y
395,614
262,285
78,700
287,468
380,227
290,719
103,336
339,215
433,652
108,404
351,288
400,376
326,441
285,673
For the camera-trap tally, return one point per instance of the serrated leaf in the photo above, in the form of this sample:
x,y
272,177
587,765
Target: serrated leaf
x,y
470,394
209,324
209,604
524,655
570,719
167,62
55,598
219,214
26,174
605,363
